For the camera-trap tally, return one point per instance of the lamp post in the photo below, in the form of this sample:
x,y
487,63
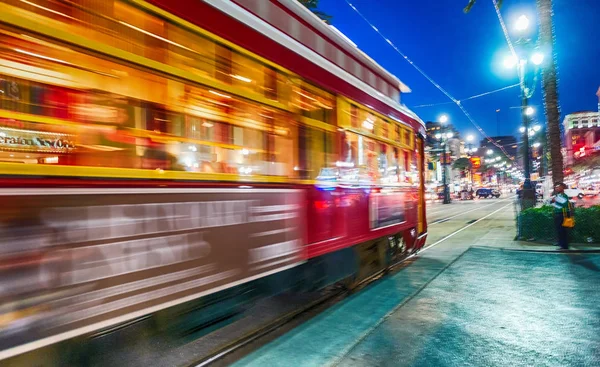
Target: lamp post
x,y
521,62
470,152
443,137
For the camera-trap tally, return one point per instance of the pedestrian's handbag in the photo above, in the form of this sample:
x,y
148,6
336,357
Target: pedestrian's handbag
x,y
568,220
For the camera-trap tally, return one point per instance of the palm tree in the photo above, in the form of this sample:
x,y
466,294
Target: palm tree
x,y
463,165
312,5
550,87
549,84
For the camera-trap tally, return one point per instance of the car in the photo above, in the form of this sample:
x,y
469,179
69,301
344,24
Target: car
x,y
485,193
591,191
574,193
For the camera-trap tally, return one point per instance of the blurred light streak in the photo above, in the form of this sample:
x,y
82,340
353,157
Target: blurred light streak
x,y
156,36
42,56
48,10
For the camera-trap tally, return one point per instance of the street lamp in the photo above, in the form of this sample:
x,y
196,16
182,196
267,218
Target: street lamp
x,y
490,152
510,62
522,23
443,137
537,58
528,56
470,138
529,111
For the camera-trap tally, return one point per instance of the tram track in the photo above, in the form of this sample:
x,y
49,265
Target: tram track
x,y
283,323
463,213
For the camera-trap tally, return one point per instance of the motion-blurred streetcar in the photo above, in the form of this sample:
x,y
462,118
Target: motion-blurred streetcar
x,y
153,154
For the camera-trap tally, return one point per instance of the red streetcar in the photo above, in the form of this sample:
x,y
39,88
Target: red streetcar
x,y
155,153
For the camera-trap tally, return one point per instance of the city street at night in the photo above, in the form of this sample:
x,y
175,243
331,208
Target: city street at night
x,y
299,183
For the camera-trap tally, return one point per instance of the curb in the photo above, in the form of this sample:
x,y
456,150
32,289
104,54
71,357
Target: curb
x,y
548,251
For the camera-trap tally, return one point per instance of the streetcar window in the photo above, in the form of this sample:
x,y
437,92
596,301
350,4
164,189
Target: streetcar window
x,y
313,103
112,115
224,67
354,116
270,83
102,113
316,150
151,36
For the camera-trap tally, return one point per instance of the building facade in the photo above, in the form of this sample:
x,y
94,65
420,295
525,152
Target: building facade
x,y
582,135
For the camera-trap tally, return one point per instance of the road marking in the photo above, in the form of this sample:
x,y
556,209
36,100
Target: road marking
x,y
462,213
463,228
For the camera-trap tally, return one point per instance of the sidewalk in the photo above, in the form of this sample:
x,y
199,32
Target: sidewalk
x,y
459,304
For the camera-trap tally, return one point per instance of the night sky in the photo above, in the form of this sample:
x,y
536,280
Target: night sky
x,y
464,53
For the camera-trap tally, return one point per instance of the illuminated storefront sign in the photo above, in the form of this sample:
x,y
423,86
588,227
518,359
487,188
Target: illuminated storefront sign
x,y
35,140
476,162
98,113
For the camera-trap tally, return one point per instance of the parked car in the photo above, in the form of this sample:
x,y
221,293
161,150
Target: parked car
x,y
574,193
486,193
591,191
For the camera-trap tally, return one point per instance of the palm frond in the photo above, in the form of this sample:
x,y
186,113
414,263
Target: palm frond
x,y
469,6
472,2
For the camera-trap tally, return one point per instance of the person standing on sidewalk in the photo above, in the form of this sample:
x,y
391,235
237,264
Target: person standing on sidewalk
x,y
561,205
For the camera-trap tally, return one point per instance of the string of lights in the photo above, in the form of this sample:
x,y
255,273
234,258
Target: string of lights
x,y
468,98
433,82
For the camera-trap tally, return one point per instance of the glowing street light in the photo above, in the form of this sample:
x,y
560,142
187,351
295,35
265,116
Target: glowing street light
x,y
522,129
510,61
470,138
522,23
498,158
529,111
536,145
537,128
449,135
537,58
490,152
438,136
443,119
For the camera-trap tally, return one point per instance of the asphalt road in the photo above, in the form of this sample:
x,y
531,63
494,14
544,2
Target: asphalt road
x,y
473,297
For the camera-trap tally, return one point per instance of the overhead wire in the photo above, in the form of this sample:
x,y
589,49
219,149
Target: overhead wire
x,y
504,29
468,98
435,84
